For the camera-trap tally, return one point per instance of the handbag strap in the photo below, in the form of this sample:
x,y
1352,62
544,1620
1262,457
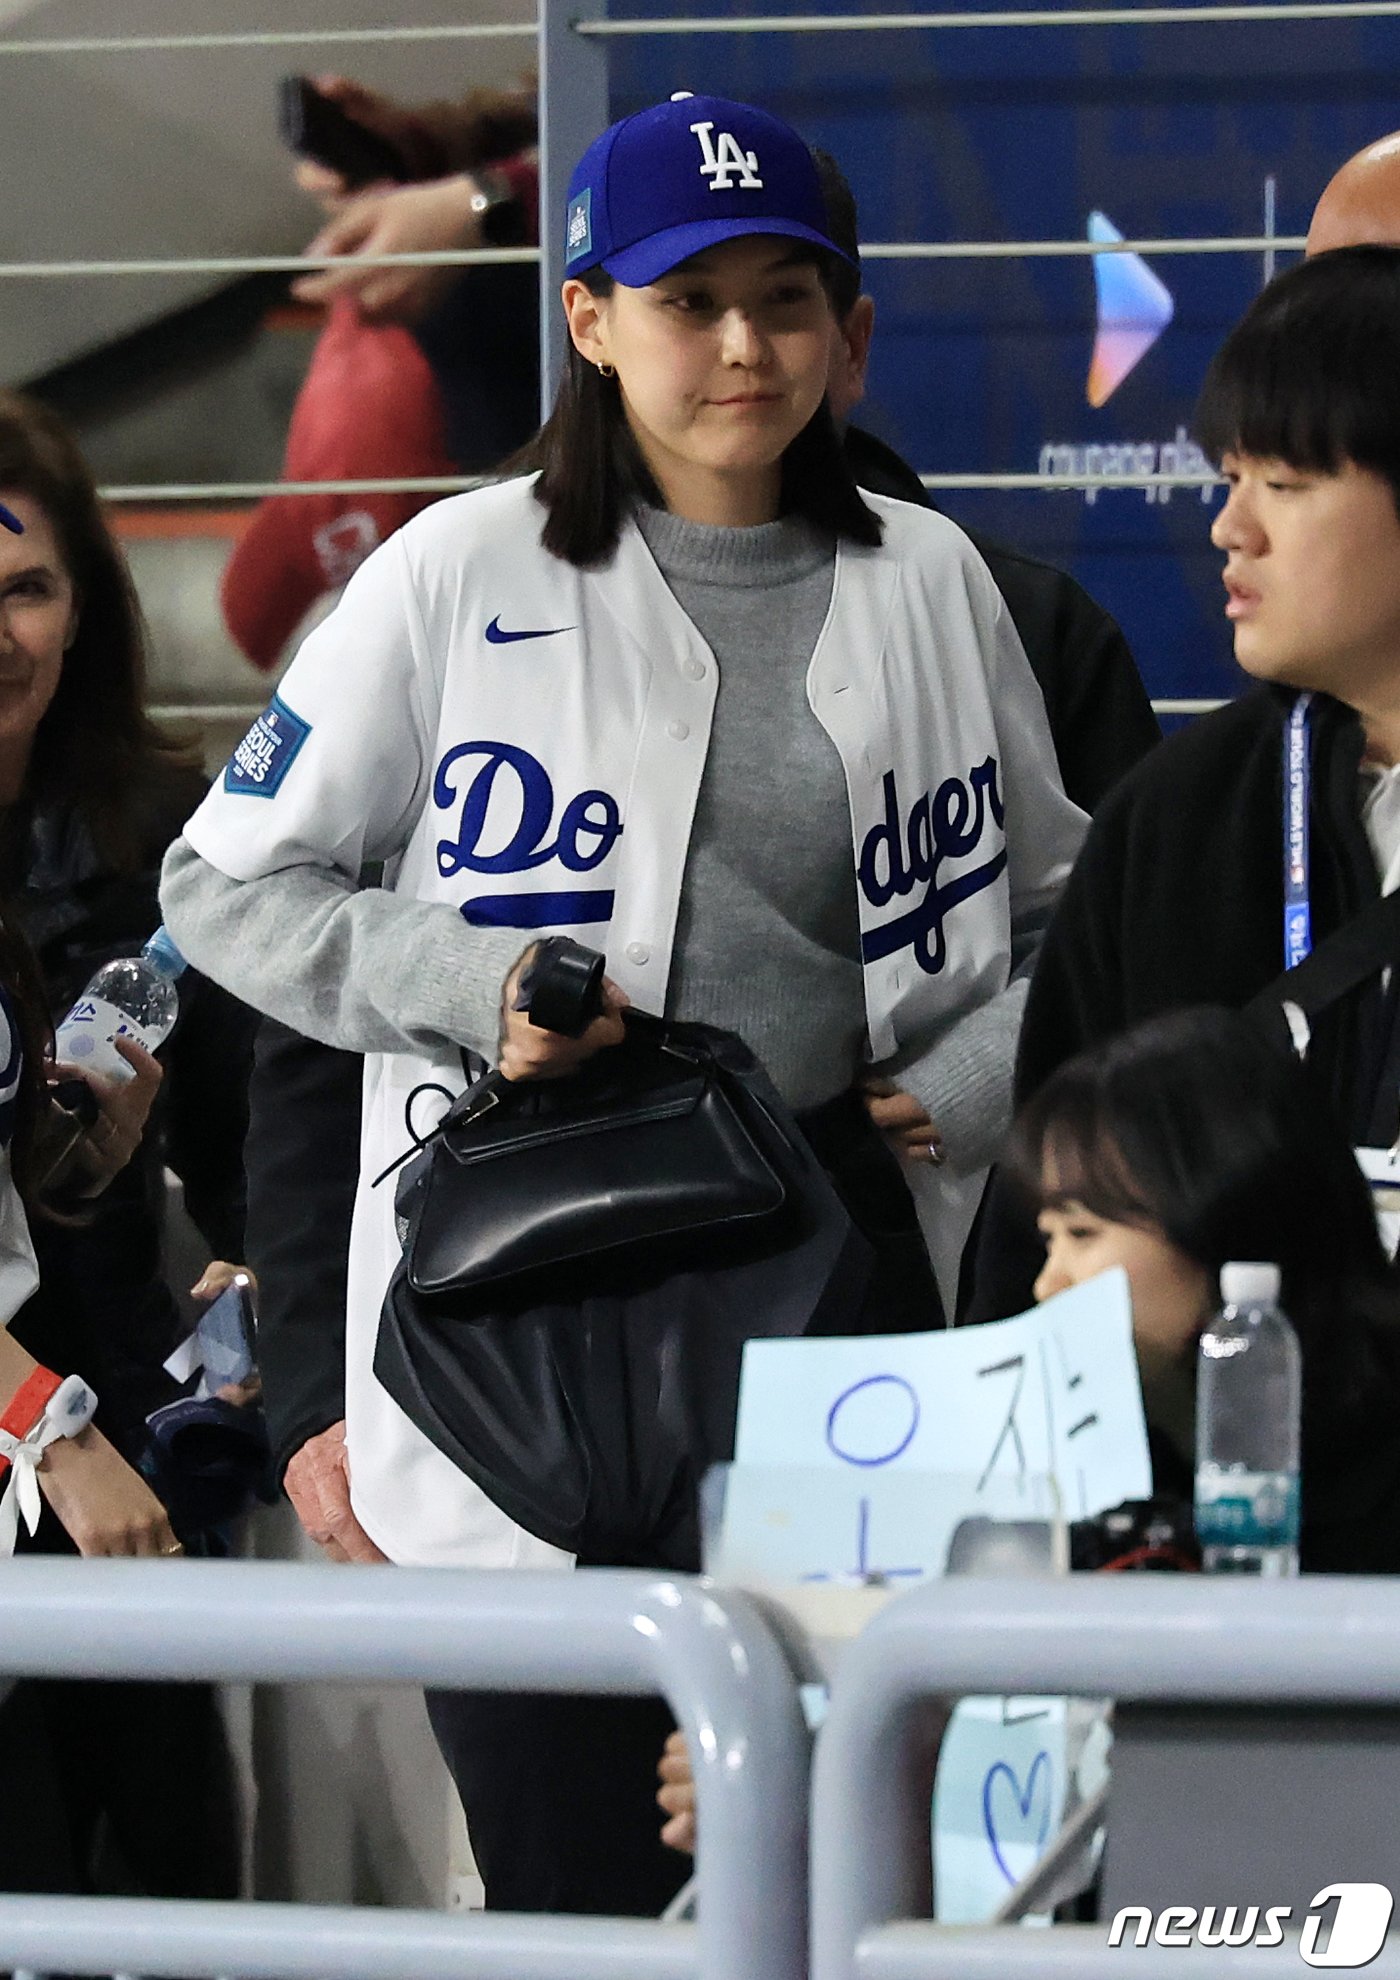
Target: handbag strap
x,y
485,1087
1361,947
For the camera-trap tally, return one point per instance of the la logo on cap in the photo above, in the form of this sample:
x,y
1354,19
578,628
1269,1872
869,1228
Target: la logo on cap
x,y
719,162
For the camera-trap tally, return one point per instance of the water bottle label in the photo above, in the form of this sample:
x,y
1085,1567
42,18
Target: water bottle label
x,y
1247,1509
86,1037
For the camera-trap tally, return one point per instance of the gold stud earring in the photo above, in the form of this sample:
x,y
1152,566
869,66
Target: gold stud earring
x,y
607,371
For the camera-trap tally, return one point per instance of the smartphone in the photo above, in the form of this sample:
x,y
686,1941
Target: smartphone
x,y
316,127
225,1336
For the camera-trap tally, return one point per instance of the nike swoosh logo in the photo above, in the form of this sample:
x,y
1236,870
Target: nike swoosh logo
x,y
497,636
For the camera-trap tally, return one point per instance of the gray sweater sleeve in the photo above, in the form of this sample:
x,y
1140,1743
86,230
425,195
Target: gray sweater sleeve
x,y
368,971
966,1079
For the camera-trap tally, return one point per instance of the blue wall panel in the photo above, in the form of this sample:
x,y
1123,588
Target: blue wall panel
x,y
1021,134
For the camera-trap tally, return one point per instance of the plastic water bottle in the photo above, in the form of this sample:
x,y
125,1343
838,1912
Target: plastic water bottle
x,y
133,997
1248,1398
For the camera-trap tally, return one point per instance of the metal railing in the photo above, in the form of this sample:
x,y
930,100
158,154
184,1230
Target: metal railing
x,y
1174,1638
598,1631
572,37
1181,15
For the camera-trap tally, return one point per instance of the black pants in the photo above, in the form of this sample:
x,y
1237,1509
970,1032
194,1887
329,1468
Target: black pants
x,y
560,1799
116,1789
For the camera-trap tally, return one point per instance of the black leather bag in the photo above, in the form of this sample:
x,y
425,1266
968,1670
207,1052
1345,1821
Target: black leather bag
x,y
584,1259
649,1148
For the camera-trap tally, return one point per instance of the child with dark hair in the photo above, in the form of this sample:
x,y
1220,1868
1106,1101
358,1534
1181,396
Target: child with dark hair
x,y
1185,1143
1239,847
1192,1140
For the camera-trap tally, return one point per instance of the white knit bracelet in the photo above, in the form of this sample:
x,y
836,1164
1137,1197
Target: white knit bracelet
x,y
68,1411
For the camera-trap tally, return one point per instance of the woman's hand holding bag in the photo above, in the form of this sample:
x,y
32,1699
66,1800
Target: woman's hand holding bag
x,y
584,1259
527,1050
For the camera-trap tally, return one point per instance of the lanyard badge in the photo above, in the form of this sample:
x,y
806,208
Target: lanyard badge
x,y
1297,794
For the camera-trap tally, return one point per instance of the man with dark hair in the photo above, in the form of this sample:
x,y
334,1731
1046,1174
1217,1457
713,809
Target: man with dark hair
x,y
1219,868
1100,718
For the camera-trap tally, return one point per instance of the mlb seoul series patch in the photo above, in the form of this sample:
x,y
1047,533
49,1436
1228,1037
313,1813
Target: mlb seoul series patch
x,y
267,752
578,233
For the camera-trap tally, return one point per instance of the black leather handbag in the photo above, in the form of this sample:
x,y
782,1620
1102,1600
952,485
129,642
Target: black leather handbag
x,y
583,1261
651,1148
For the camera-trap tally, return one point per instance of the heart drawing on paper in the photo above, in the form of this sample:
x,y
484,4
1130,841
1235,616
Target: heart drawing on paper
x,y
1013,1814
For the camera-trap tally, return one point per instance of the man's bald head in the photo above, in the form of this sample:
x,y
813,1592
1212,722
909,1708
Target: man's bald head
x,y
1361,204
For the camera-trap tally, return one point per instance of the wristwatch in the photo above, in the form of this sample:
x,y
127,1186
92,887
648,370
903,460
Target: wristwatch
x,y
499,212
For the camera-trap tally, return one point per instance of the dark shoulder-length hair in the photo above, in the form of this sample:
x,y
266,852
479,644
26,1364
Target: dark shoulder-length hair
x,y
1195,1124
592,475
96,749
1310,374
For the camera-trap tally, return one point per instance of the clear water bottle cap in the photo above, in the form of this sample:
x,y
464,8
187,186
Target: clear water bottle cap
x,y
163,955
1250,1285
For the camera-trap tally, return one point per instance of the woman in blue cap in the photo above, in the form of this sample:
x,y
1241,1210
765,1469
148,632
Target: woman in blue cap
x,y
682,692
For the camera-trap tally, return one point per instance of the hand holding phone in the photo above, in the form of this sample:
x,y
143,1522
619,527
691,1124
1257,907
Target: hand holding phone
x,y
315,126
226,1335
222,1347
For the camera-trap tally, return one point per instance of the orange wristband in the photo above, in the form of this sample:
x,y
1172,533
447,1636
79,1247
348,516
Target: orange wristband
x,y
27,1405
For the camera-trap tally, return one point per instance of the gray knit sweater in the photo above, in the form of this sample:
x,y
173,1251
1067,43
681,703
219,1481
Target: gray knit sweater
x,y
767,939
768,934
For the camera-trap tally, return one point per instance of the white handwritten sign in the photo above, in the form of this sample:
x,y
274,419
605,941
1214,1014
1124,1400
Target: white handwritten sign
x,y
785,1523
860,1457
999,1800
1054,1393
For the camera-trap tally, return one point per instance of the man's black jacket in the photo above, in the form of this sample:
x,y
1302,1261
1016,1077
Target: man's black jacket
x,y
1099,714
303,1162
1177,899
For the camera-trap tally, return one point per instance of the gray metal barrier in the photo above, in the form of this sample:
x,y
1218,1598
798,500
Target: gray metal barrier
x,y
708,1651
1333,1640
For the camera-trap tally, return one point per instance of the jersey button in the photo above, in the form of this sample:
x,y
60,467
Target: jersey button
x,y
694,670
678,731
638,952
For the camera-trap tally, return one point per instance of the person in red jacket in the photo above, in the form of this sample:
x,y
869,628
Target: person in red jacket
x,y
420,373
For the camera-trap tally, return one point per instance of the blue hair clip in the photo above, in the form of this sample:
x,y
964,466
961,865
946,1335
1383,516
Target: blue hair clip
x,y
11,520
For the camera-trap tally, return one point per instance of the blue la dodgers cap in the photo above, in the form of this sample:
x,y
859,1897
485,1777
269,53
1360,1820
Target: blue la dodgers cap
x,y
10,520
674,180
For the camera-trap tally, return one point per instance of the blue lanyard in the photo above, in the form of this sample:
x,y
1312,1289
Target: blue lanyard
x,y
1297,793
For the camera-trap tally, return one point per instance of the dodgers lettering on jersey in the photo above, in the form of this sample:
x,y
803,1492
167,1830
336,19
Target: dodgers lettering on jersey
x,y
943,825
265,755
503,786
